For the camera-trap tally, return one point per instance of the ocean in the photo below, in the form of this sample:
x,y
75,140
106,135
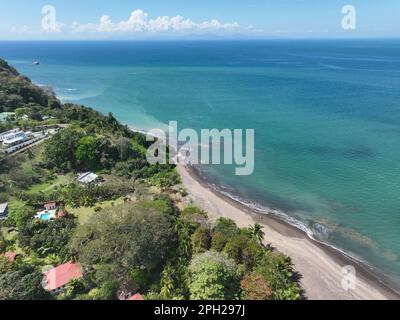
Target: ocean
x,y
326,116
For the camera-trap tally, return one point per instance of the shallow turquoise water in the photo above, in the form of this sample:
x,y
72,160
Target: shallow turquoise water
x,y
326,115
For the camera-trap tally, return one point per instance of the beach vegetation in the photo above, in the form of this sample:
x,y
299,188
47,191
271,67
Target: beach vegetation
x,y
277,270
255,287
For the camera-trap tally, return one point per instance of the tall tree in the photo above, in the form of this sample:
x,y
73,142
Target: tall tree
x,y
121,239
21,285
20,213
88,152
61,148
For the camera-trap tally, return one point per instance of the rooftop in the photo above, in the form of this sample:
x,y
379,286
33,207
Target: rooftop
x,y
50,205
87,177
3,134
137,297
60,276
3,207
10,256
14,140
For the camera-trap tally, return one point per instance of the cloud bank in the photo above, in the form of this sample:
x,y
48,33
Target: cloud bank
x,y
139,22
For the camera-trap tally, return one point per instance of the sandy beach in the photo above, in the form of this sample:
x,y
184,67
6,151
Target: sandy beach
x,y
320,266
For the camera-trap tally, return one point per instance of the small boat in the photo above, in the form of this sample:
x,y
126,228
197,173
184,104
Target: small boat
x,y
36,63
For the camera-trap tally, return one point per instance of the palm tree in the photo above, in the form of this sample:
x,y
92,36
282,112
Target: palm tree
x,y
167,282
257,232
185,243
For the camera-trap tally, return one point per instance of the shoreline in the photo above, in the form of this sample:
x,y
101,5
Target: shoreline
x,y
319,265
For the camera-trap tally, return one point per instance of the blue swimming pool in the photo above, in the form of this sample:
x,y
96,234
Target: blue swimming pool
x,y
45,216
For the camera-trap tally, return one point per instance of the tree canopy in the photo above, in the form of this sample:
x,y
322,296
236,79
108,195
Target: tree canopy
x,y
213,276
119,240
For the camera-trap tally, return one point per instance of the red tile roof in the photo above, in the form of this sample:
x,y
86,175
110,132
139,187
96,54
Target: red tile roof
x,y
50,205
10,256
136,296
61,275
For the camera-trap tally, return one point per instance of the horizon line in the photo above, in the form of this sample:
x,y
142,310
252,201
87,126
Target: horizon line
x,y
205,39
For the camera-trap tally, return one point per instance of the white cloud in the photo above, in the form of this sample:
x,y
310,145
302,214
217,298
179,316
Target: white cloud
x,y
56,28
21,30
59,26
139,21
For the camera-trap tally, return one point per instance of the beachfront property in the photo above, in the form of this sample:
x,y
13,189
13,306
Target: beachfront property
x,y
3,211
87,178
56,279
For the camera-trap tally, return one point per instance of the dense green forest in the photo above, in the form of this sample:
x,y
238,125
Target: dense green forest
x,y
135,231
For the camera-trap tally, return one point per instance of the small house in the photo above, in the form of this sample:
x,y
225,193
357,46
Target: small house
x,y
87,178
56,279
51,210
50,205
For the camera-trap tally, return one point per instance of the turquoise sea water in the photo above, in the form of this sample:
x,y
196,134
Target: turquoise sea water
x,y
326,116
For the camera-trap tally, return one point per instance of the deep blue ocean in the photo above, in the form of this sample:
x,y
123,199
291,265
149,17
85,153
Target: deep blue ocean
x,y
326,116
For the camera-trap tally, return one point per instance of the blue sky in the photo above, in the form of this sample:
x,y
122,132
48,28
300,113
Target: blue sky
x,y
159,19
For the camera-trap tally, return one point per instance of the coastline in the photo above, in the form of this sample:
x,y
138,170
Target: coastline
x,y
319,265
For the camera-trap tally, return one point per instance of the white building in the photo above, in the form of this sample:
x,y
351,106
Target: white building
x,y
15,138
5,134
87,178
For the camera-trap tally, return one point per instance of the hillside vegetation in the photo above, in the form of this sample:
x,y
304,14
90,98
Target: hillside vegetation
x,y
140,232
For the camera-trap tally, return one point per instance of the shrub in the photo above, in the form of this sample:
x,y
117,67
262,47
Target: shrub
x,y
254,287
201,240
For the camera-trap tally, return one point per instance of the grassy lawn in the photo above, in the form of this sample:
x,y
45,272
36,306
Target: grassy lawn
x,y
8,235
83,213
48,186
